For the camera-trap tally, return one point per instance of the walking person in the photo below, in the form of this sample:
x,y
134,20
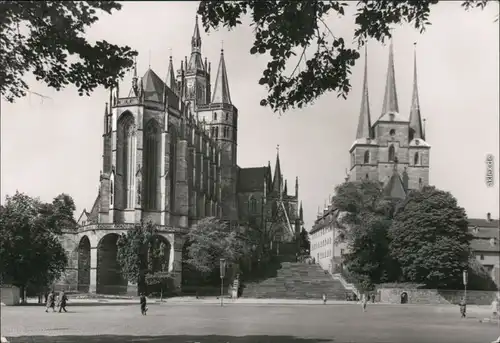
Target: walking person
x,y
51,302
463,308
324,299
364,301
143,303
62,301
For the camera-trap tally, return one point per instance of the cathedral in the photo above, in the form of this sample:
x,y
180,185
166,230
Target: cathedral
x,y
170,157
393,150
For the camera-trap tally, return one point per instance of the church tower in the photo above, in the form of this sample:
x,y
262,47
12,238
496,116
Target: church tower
x,y
224,129
197,74
393,148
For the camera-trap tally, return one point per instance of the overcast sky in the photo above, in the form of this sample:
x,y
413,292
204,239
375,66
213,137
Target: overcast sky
x,y
55,145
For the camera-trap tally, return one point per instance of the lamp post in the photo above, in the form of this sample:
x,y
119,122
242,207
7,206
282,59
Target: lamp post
x,y
222,274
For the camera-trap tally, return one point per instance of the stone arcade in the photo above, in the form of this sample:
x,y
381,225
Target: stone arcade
x,y
170,156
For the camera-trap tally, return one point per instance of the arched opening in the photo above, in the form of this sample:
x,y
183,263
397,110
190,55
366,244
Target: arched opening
x,y
84,265
152,157
416,159
216,132
109,276
392,153
125,160
158,260
366,158
172,166
404,298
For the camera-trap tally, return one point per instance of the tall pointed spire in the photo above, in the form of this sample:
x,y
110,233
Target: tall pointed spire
x,y
301,212
415,117
221,93
365,123
195,61
277,172
170,80
391,96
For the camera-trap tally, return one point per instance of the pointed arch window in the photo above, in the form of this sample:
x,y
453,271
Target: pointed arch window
x,y
253,205
416,159
353,159
111,192
392,153
216,132
126,159
152,165
366,158
224,130
227,116
420,183
215,115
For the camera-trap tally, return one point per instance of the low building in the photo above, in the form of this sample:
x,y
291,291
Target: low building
x,y
326,249
485,245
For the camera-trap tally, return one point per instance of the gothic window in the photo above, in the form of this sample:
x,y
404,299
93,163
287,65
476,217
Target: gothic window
x,y
416,159
152,165
366,176
216,132
253,205
353,159
392,153
227,116
224,131
126,158
420,182
215,115
111,192
392,132
228,132
139,192
366,158
172,166
212,129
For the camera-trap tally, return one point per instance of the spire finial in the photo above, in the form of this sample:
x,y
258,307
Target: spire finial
x,y
277,148
149,59
222,46
170,52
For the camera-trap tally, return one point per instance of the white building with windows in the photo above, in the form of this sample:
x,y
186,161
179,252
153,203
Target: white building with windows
x,y
485,245
326,250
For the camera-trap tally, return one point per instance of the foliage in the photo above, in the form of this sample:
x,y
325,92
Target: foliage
x,y
285,29
430,238
479,278
162,279
30,249
363,222
47,39
132,252
305,243
210,240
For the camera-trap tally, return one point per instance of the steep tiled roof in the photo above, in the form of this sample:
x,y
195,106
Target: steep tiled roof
x,y
252,179
94,212
484,232
153,86
395,188
484,245
479,222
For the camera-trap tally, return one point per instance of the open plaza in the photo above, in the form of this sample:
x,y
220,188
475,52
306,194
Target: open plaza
x,y
208,322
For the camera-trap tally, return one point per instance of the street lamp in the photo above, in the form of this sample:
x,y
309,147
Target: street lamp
x,y
222,274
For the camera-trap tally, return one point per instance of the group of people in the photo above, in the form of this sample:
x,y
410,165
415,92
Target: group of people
x,y
59,301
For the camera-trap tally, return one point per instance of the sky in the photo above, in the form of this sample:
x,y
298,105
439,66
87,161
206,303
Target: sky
x,y
54,145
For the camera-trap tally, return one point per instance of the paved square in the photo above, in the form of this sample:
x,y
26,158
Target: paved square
x,y
209,323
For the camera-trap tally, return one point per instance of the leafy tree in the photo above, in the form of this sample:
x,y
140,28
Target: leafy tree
x,y
305,243
430,239
162,279
210,240
30,249
133,250
363,222
284,29
47,39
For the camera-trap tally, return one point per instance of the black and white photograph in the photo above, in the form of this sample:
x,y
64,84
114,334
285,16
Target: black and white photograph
x,y
250,171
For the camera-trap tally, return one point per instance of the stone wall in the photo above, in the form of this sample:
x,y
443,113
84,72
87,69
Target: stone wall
x,y
434,296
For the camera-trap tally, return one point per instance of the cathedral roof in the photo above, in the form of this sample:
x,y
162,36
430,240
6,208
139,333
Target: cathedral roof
x,y
252,179
153,86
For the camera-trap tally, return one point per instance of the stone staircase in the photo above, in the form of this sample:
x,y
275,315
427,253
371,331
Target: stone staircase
x,y
296,281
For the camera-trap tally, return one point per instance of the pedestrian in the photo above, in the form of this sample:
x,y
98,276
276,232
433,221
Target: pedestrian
x,y
51,302
364,300
373,298
62,301
324,299
143,302
463,308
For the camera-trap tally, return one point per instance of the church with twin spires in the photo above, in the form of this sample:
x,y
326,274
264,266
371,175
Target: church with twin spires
x,y
170,157
392,150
